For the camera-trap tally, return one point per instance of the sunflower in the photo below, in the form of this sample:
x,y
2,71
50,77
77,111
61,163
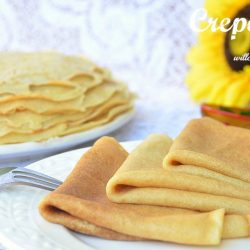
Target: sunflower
x,y
214,76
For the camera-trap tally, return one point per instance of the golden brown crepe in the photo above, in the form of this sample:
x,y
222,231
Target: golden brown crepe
x,y
81,204
48,94
142,180
211,145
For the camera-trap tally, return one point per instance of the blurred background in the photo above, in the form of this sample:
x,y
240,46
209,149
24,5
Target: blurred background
x,y
143,42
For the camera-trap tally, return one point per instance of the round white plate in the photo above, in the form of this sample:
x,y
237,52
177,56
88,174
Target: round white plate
x,y
22,227
33,149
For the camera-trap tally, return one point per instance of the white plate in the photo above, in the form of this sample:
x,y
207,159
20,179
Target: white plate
x,y
55,145
22,228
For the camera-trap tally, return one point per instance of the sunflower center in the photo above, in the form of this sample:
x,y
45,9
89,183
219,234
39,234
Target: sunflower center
x,y
240,46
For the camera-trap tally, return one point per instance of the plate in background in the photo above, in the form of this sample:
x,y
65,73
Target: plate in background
x,y
10,153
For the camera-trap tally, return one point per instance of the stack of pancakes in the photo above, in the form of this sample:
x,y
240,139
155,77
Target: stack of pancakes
x,y
47,94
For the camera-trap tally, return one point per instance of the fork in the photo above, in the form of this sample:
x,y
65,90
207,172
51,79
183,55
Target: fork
x,y
25,176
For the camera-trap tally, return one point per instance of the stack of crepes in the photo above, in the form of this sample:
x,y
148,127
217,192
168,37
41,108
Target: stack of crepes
x,y
48,94
193,190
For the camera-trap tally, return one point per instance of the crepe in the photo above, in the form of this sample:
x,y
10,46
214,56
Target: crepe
x,y
48,94
62,129
142,180
40,67
211,145
17,122
81,204
44,105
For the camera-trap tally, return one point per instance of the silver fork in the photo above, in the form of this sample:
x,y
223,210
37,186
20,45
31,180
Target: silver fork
x,y
25,176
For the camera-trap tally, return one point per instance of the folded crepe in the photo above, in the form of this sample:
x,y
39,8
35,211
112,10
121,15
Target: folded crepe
x,y
48,94
81,204
143,180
